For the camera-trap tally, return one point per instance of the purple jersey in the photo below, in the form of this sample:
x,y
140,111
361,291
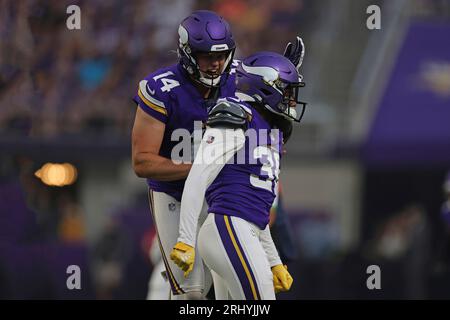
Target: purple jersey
x,y
248,190
170,96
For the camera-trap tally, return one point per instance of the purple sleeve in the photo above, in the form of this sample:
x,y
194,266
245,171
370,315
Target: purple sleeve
x,y
152,101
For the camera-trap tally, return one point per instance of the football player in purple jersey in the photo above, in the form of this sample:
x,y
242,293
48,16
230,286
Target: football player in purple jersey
x,y
173,98
237,172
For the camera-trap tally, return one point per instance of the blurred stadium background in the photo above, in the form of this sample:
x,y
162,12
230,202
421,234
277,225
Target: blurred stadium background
x,y
362,179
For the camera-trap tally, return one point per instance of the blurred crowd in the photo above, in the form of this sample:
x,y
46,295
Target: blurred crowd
x,y
56,82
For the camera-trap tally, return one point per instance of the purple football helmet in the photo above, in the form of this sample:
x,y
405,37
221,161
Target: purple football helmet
x,y
272,80
204,31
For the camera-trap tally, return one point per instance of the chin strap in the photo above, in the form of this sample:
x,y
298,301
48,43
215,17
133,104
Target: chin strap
x,y
212,82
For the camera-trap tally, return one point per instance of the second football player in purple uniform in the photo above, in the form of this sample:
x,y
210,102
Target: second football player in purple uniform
x,y
235,240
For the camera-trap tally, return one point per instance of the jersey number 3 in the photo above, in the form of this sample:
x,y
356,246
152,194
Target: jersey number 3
x,y
270,168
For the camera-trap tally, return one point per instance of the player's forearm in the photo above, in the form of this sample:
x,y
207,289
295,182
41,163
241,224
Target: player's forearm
x,y
191,205
200,177
153,166
269,247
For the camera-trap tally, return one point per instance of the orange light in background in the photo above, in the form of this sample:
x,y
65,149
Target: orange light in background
x,y
57,174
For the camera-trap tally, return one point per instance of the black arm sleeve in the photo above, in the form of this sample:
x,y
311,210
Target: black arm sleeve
x,y
227,114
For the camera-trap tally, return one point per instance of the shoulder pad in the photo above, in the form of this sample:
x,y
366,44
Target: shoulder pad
x,y
227,114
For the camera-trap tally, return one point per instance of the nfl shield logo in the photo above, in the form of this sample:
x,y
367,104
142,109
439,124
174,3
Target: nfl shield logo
x,y
171,206
210,139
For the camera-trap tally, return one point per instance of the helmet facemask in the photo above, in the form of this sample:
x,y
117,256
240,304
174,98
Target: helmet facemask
x,y
288,101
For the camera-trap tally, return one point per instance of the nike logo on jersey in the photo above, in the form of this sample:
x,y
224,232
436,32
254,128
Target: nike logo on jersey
x,y
210,139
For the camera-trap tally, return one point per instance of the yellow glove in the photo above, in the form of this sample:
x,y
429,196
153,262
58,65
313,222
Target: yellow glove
x,y
282,280
184,256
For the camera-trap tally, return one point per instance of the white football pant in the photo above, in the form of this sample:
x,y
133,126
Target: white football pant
x,y
166,216
231,248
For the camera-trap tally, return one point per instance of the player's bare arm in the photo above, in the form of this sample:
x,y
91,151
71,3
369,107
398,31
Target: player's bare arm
x,y
147,136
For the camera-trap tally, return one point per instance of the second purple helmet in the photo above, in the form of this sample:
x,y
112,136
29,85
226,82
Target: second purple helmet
x,y
272,80
204,31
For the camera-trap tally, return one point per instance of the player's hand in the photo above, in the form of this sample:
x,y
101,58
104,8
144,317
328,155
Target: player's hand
x,y
282,280
295,52
184,256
